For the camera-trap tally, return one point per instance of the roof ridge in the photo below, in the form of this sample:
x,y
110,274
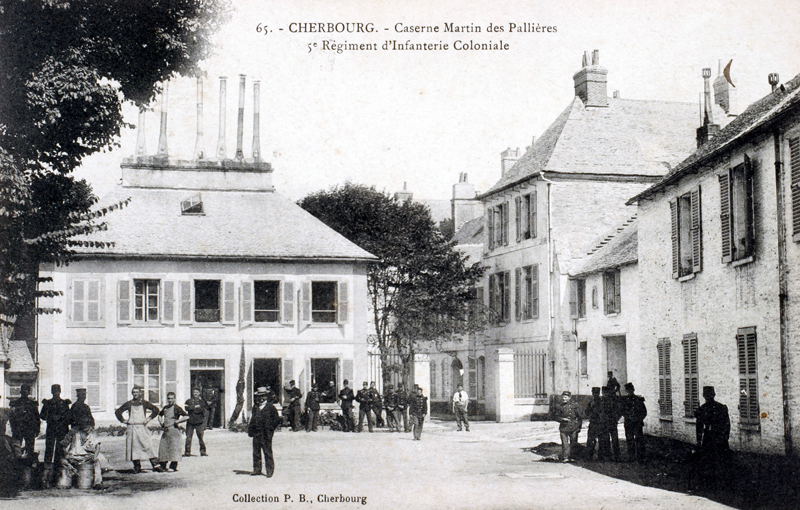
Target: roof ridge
x,y
598,245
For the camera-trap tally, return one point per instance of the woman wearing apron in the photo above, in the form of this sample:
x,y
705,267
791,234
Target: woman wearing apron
x,y
170,448
138,440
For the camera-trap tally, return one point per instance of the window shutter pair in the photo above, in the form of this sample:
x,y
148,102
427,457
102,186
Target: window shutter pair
x,y
125,301
664,378
748,376
727,212
85,374
690,377
86,302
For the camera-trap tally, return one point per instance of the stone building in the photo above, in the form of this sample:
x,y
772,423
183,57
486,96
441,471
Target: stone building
x,y
211,275
718,258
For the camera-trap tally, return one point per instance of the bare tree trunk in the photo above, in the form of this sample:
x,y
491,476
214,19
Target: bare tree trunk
x,y
240,385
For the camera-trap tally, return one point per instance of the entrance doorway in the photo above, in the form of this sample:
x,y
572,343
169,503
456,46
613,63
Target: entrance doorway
x,y
617,358
267,372
210,379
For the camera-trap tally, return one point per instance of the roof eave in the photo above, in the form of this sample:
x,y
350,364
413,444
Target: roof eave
x,y
238,258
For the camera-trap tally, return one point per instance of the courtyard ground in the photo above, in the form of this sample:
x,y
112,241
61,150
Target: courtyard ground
x,y
490,467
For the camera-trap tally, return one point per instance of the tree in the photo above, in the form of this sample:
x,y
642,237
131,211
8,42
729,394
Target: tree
x,y
420,289
447,228
67,66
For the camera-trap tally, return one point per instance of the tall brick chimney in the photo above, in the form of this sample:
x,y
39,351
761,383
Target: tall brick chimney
x,y
591,81
405,195
223,90
162,136
256,120
708,129
464,206
199,152
507,159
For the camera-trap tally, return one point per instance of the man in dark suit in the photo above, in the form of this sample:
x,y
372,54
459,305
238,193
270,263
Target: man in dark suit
x,y
55,411
25,423
363,397
346,397
418,410
263,421
312,409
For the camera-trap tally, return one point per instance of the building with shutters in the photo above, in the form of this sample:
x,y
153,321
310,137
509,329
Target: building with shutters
x,y
719,246
210,275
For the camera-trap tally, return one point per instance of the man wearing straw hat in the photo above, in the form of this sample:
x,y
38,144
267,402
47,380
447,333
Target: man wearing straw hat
x,y
263,421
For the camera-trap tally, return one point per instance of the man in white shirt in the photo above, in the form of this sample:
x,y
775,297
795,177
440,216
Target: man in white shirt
x,y
460,403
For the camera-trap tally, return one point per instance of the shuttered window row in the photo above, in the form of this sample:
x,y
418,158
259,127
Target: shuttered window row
x,y
500,295
687,253
612,292
737,214
526,301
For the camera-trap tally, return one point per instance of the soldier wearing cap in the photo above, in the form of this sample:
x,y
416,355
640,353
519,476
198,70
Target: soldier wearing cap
x,y
713,425
390,403
634,411
346,398
293,411
594,415
25,422
569,419
364,400
197,409
312,409
55,411
263,421
80,414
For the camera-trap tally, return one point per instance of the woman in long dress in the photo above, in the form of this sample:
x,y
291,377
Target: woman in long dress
x,y
138,440
170,448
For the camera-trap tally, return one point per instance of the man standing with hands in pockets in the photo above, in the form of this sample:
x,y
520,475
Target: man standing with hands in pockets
x,y
460,404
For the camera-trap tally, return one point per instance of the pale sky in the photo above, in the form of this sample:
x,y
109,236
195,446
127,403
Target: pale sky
x,y
385,117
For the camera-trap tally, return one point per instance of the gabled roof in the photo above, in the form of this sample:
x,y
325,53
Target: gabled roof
x,y
616,250
629,137
470,232
756,116
238,224
19,357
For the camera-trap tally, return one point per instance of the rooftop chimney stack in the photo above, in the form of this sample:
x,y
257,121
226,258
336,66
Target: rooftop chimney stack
x,y
706,131
141,149
774,80
405,195
162,136
591,81
256,120
240,121
507,159
223,90
198,144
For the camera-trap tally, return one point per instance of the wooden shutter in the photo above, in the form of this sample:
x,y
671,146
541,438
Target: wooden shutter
x,y
505,211
124,301
676,247
492,294
93,383
534,297
490,227
121,382
77,377
573,298
532,214
607,293
794,156
287,308
186,302
518,293
750,204
696,232
305,302
690,377
342,308
518,216
748,376
168,302
170,376
617,291
246,302
228,303
664,378
93,301
288,370
507,296
347,370
725,215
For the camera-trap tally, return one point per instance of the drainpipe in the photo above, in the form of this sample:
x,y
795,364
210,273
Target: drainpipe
x,y
550,306
783,291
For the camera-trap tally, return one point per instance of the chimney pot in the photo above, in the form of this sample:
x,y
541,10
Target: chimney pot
x,y
256,120
223,90
162,136
591,81
773,79
198,145
585,62
616,94
240,121
596,58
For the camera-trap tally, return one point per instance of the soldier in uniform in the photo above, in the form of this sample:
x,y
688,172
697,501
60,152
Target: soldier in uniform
x,y
263,421
363,398
403,401
569,419
197,410
25,422
346,398
328,395
211,396
312,409
609,418
593,414
376,404
80,414
392,415
418,410
612,384
293,396
634,411
713,429
55,411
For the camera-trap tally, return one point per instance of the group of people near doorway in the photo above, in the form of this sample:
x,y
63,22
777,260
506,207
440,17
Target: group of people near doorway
x,y
605,410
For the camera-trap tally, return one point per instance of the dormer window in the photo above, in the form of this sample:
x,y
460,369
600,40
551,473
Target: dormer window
x,y
193,205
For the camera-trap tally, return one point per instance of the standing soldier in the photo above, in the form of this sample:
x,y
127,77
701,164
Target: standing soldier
x,y
713,428
328,395
419,408
138,440
55,411
594,415
634,411
346,397
80,414
376,404
197,410
211,396
609,418
363,398
293,396
390,401
403,401
569,419
460,404
612,384
312,409
25,422
263,421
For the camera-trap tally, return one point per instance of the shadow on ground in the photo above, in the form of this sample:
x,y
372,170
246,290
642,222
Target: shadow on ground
x,y
116,483
746,481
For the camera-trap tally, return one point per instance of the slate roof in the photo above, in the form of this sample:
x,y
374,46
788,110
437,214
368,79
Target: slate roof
x,y
618,249
470,232
235,224
756,116
629,137
19,357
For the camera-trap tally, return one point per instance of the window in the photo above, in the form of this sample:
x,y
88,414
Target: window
x,y
85,302
686,234
690,379
473,377
323,301
500,295
577,298
736,212
748,376
145,305
445,393
497,223
611,292
530,292
794,155
664,378
193,205
206,301
526,216
85,374
481,378
583,360
323,371
147,374
266,302
434,393
594,297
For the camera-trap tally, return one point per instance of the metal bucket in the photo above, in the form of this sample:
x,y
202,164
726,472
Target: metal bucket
x,y
64,478
86,475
